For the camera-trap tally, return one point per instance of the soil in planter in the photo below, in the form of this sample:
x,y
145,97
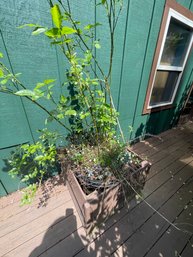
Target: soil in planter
x,y
114,164
95,178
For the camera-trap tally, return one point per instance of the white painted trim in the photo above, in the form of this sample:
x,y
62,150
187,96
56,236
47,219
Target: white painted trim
x,y
169,68
160,105
172,14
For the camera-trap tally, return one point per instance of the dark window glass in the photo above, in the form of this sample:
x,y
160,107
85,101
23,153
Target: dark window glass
x,y
164,86
176,44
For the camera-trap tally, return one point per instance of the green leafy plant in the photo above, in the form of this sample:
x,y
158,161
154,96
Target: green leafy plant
x,y
33,163
85,108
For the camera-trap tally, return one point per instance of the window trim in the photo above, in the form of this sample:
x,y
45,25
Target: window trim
x,y
172,9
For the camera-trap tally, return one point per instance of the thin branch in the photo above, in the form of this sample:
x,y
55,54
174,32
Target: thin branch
x,y
117,18
69,6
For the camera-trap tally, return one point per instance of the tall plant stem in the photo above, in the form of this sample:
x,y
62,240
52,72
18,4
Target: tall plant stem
x,y
81,38
112,30
80,86
90,108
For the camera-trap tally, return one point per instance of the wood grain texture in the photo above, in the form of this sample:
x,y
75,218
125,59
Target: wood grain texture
x,y
135,43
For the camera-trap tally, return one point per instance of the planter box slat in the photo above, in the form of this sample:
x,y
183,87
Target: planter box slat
x,y
96,207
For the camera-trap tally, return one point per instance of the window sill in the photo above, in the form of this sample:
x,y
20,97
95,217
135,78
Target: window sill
x,y
157,109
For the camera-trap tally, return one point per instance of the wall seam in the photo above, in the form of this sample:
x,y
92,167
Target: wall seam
x,y
190,5
143,65
4,187
188,81
123,55
95,33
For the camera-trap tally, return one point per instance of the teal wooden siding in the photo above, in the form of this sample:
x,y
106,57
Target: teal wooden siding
x,y
36,60
135,43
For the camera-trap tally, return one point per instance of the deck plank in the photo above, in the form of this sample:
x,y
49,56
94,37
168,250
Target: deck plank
x,y
172,241
150,231
9,204
153,141
30,215
188,250
62,227
31,229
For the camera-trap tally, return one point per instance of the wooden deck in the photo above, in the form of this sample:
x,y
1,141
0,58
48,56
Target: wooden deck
x,y
51,226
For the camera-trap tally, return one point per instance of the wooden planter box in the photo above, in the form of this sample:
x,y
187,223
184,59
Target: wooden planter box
x,y
96,207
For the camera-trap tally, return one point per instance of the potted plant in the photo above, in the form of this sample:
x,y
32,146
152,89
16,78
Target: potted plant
x,y
97,163
100,184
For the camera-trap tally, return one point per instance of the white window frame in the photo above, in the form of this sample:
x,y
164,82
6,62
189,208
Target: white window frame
x,y
179,17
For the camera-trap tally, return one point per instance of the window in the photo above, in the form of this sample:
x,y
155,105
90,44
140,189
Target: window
x,y
173,48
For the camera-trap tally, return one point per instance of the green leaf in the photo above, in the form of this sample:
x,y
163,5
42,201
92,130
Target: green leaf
x,y
4,81
70,112
97,45
100,93
63,99
77,22
94,82
84,115
56,16
27,92
39,158
54,32
68,40
45,83
60,116
17,74
68,30
90,26
103,1
57,42
1,73
50,87
79,31
39,85
48,81
39,30
38,93
130,128
88,56
48,96
1,55
28,25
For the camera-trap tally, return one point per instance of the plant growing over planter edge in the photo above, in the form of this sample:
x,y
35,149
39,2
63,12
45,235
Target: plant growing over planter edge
x,y
87,113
